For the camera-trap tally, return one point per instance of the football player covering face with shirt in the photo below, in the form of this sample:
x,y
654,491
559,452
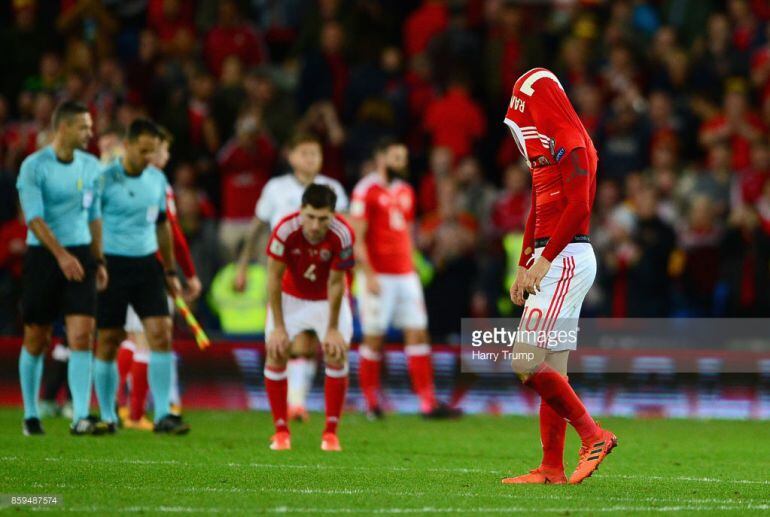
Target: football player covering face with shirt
x,y
556,268
308,254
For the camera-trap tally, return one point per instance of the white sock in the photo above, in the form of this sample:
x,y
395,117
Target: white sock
x,y
297,380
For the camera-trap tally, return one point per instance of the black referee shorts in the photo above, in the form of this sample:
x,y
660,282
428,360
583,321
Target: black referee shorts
x,y
47,295
137,281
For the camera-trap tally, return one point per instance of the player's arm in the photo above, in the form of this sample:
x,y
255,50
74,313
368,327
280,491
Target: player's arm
x,y
527,249
277,342
360,227
97,250
249,247
574,171
183,256
334,344
31,200
166,249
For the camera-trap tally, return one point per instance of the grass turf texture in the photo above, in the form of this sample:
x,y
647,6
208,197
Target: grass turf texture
x,y
400,465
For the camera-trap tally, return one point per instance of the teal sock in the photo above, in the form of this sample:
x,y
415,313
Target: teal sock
x,y
30,373
106,385
79,378
159,375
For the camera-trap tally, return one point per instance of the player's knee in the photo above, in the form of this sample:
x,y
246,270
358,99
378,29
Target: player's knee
x,y
524,363
37,342
336,362
159,339
80,339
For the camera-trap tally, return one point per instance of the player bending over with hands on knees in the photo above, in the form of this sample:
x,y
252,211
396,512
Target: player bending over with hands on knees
x,y
309,252
556,268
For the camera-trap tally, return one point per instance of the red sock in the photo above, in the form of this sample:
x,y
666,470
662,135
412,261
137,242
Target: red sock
x,y
420,367
556,391
552,431
139,389
125,360
335,387
370,363
277,388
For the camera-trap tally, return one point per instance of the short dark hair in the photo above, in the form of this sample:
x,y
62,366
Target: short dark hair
x,y
165,135
384,143
65,111
143,126
319,196
303,138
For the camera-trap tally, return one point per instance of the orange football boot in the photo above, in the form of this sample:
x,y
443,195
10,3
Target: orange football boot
x,y
140,425
330,442
592,455
280,441
539,476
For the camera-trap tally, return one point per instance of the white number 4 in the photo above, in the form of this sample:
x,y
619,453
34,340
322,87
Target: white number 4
x,y
310,273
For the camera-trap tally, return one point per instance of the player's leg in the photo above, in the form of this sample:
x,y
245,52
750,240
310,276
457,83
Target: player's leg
x,y
276,383
80,336
376,311
40,302
552,425
125,361
37,338
564,297
411,316
149,298
300,371
139,385
106,378
336,381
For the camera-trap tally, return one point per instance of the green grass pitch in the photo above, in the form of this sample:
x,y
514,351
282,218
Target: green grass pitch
x,y
400,465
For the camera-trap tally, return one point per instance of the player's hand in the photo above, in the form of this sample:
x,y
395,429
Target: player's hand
x,y
534,275
193,289
173,286
334,345
71,267
102,278
277,344
517,288
240,282
372,284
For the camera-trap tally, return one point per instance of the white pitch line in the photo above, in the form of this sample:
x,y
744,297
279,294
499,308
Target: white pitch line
x,y
321,466
392,510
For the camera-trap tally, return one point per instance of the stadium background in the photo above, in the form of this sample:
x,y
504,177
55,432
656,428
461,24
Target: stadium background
x,y
675,93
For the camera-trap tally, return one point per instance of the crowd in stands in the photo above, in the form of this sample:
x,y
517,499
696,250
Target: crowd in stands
x,y
675,94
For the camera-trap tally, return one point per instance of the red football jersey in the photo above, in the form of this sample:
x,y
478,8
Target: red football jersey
x,y
546,128
388,209
307,264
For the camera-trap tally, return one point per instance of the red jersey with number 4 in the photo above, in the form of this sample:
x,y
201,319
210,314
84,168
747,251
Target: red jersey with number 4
x,y
546,128
388,209
307,264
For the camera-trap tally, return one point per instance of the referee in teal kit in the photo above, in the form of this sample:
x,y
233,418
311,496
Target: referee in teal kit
x,y
135,229
59,193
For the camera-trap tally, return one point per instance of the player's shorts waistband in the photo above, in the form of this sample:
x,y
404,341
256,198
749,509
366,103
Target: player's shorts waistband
x,y
580,237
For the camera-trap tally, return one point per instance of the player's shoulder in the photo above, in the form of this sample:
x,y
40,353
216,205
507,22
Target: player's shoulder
x,y
400,185
87,158
341,229
329,181
279,181
288,226
366,184
156,174
531,75
41,156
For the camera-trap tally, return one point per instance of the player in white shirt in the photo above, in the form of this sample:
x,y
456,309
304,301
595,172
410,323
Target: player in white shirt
x,y
281,196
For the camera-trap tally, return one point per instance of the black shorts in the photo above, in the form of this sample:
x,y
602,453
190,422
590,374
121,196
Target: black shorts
x,y
47,295
135,281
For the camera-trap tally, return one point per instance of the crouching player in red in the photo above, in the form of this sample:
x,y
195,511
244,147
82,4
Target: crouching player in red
x,y
556,268
308,254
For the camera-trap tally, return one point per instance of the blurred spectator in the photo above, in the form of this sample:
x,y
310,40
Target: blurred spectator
x,y
321,120
325,73
232,36
279,113
455,120
699,238
13,235
745,255
655,241
246,162
430,19
89,22
736,125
